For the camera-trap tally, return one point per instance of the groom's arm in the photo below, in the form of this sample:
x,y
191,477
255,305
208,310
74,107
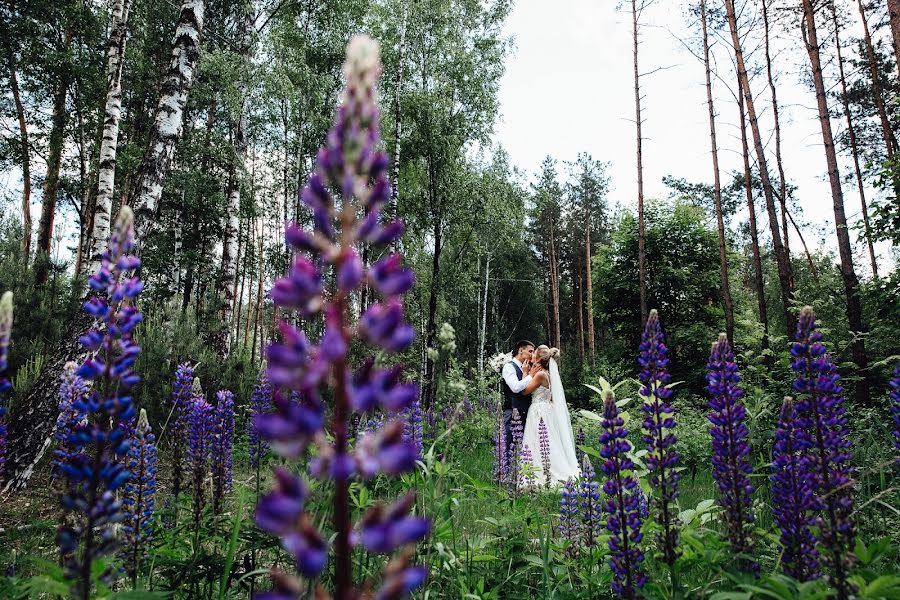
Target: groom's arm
x,y
514,383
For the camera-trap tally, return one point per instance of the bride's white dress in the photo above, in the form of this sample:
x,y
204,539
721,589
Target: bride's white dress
x,y
549,405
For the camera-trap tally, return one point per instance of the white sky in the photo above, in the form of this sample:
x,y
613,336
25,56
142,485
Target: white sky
x,y
569,88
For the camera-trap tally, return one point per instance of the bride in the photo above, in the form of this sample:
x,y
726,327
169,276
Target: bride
x,y
548,405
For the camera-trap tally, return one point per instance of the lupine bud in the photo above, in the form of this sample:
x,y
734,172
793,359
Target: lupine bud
x,y
731,469
623,498
139,493
821,413
658,426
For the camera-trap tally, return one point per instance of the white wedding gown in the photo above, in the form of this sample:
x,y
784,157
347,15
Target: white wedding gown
x,y
549,405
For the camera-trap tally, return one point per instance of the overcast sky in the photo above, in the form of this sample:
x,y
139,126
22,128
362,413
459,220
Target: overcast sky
x,y
568,88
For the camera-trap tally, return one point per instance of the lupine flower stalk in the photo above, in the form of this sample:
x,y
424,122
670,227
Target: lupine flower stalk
x,y
182,400
544,442
201,426
6,320
623,499
658,426
589,492
346,194
96,474
260,404
792,487
515,450
731,468
223,441
526,469
569,516
580,440
139,493
413,427
895,407
72,391
821,413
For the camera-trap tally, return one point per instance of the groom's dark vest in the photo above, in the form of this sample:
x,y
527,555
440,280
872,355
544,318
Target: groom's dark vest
x,y
513,400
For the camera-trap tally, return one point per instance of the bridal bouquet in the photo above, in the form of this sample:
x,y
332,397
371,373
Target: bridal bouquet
x,y
496,362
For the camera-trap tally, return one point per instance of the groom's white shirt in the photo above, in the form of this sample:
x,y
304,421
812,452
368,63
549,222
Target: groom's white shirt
x,y
512,380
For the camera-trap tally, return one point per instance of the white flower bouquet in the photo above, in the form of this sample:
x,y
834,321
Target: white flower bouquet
x,y
496,362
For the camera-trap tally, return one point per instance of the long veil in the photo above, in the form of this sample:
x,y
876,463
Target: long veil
x,y
561,412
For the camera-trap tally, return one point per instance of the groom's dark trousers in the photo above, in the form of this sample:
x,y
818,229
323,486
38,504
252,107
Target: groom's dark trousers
x,y
513,400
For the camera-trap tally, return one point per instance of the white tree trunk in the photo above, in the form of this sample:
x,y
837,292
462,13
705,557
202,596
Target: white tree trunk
x,y
398,122
98,236
481,338
169,122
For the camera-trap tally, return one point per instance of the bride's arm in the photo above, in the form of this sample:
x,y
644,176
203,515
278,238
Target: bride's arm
x,y
540,378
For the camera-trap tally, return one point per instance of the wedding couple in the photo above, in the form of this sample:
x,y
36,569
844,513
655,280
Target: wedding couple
x,y
531,385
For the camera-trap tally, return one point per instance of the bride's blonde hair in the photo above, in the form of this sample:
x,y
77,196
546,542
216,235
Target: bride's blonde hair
x,y
544,353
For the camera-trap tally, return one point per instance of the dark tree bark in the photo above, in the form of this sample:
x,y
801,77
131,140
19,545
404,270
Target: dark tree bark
x,y
717,185
848,273
894,14
785,273
25,154
589,291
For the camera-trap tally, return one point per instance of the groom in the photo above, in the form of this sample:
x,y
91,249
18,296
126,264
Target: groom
x,y
514,382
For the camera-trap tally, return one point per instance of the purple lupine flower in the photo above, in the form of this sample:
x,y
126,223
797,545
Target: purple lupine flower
x,y
223,441
182,399
95,474
501,457
412,430
201,425
580,440
6,319
467,405
515,450
526,469
351,170
544,441
895,407
792,486
431,423
260,404
589,492
623,499
139,492
72,391
821,413
659,426
731,468
569,526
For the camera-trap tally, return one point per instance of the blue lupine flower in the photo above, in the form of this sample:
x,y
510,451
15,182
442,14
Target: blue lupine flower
x,y
544,443
570,516
895,407
182,399
200,441
139,495
260,404
73,390
589,492
221,454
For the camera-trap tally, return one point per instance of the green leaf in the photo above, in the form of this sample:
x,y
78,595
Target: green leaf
x,y
589,451
589,414
597,390
232,548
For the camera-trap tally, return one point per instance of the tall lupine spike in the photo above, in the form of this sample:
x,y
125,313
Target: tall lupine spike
x,y
199,448
345,194
895,407
413,427
526,470
223,441
6,321
821,413
589,492
659,426
792,486
72,391
139,495
515,450
569,513
623,503
182,399
96,474
544,442
501,458
580,440
731,468
260,404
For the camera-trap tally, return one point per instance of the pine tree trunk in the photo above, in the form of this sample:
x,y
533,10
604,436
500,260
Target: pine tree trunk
x,y
168,124
894,14
25,156
782,180
554,285
642,263
578,306
54,163
98,232
754,232
589,291
785,273
848,273
851,130
717,184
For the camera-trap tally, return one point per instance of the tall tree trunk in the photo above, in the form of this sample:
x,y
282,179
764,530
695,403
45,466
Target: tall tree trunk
x,y
54,163
430,380
754,231
848,273
483,332
398,121
851,130
98,232
642,266
717,183
168,124
894,14
230,242
589,285
578,307
782,180
556,340
25,154
785,273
